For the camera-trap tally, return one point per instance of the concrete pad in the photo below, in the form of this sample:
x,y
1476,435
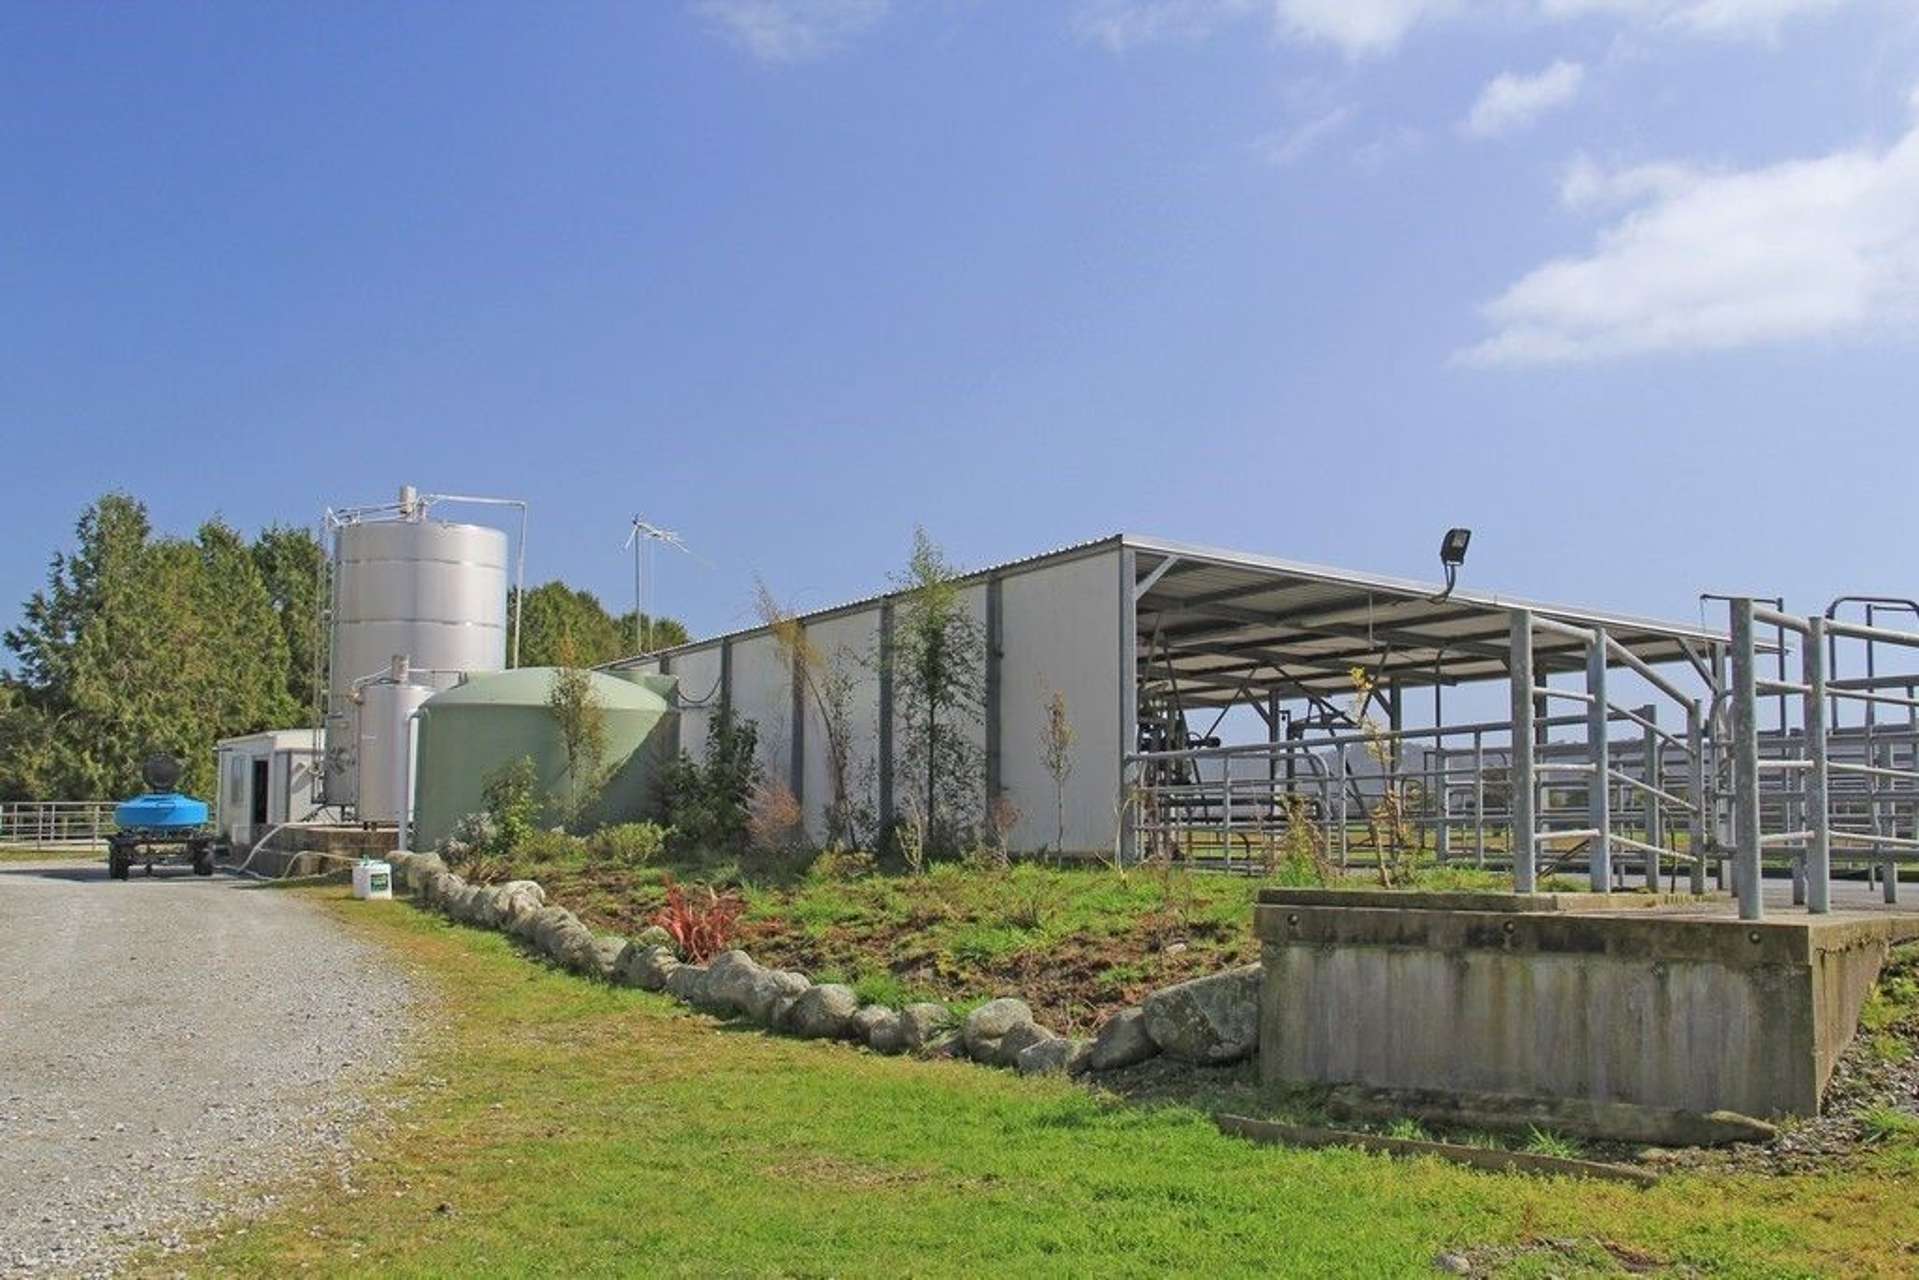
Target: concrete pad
x,y
1674,1004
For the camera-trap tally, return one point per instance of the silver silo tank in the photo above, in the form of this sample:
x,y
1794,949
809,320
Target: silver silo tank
x,y
433,590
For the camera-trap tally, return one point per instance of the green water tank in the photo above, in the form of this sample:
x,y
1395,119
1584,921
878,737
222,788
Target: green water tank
x,y
474,728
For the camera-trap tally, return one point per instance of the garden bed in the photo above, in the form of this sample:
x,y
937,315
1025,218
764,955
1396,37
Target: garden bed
x,y
1076,943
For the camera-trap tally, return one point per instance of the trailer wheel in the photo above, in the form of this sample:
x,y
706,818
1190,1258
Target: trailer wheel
x,y
119,863
203,864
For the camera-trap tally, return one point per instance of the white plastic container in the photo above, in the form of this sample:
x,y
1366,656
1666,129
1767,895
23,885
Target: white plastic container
x,y
372,879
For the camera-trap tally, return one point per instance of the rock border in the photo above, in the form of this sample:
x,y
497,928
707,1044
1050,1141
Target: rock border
x,y
1203,1020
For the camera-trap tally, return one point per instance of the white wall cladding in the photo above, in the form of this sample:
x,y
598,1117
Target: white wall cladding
x,y
699,675
763,693
1060,630
850,643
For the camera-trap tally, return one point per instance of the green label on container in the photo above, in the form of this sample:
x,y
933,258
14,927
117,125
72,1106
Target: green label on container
x,y
377,882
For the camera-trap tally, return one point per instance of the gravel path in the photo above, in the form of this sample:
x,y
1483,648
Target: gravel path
x,y
166,1045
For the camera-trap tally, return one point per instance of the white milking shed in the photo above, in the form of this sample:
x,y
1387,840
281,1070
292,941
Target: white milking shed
x,y
1152,643
266,779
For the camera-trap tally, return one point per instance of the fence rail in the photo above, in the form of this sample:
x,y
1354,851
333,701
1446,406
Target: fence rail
x,y
56,823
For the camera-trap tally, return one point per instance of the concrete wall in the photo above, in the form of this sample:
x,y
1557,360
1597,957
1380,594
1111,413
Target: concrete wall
x,y
1059,628
1692,1012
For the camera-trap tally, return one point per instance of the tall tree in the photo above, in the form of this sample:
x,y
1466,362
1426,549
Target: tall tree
x,y
293,565
566,626
139,645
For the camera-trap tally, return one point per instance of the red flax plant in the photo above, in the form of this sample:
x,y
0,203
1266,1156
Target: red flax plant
x,y
702,922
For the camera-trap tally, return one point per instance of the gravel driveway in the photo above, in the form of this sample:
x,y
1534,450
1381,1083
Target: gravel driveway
x,y
165,1045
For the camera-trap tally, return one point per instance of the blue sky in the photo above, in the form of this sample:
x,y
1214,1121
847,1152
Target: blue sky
x,y
1628,286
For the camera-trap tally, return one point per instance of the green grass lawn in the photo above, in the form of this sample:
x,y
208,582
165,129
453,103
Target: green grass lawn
x,y
555,1126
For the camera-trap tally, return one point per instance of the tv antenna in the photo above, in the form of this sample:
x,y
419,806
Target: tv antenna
x,y
640,538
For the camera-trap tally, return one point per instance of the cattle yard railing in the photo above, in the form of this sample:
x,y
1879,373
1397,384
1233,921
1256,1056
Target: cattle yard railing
x,y
1820,792
55,823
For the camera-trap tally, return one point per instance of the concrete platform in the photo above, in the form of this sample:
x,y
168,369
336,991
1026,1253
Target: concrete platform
x,y
1655,1001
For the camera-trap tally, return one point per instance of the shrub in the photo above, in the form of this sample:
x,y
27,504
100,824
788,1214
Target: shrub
x,y
776,823
552,848
843,864
512,796
707,804
702,922
628,844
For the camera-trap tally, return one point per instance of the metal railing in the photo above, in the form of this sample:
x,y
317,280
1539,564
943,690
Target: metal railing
x,y
1821,795
51,823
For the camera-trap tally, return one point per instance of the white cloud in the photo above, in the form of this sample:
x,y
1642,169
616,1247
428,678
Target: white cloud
x,y
1760,19
1511,101
1122,24
1289,146
1360,27
791,30
1819,248
1356,26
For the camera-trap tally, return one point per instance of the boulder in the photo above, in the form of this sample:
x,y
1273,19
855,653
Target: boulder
x,y
872,1017
1206,1020
436,887
989,1024
503,903
578,951
779,1016
655,936
420,866
559,935
1122,1041
729,980
547,921
923,1023
687,983
824,1012
768,990
607,949
1053,1056
463,904
1017,1041
646,967
887,1034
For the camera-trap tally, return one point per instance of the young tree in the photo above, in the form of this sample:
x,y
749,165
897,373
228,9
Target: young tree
x,y
826,681
1056,753
581,716
939,659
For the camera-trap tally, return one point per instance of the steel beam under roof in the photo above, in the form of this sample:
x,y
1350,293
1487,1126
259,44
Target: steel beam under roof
x,y
1228,625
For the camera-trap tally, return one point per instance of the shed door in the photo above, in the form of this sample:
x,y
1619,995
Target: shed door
x,y
257,814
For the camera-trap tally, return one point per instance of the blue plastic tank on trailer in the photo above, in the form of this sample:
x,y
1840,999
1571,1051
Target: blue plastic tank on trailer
x,y
161,825
160,811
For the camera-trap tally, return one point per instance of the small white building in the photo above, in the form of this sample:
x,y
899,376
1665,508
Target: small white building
x,y
266,779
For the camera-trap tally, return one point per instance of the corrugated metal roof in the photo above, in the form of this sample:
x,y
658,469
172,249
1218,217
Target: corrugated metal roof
x,y
1067,552
1324,619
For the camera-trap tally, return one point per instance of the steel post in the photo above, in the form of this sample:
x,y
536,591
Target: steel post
x,y
1745,765
1818,863
1696,827
1599,753
1520,779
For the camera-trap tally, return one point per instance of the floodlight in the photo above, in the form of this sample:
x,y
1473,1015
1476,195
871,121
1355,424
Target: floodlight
x,y
1452,554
